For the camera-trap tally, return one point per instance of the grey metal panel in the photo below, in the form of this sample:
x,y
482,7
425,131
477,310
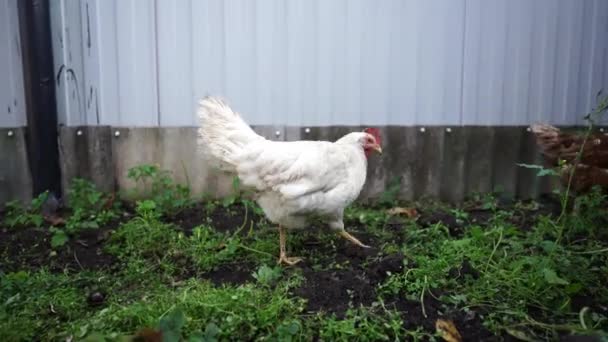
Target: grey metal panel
x,y
66,28
439,72
103,22
495,62
271,61
137,62
12,97
338,62
207,48
528,61
174,48
85,56
594,71
239,52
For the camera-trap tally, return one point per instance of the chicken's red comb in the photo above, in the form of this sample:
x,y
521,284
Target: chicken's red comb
x,y
375,132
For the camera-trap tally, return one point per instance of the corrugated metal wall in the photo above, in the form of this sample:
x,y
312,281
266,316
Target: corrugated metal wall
x,y
331,62
12,98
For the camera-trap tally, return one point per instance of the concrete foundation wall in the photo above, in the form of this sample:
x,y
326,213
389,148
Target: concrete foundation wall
x,y
15,177
445,163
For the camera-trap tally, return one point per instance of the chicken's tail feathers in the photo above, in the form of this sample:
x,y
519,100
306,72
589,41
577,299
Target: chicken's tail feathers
x,y
222,133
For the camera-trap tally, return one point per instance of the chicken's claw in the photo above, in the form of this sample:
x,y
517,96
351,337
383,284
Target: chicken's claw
x,y
289,260
353,239
283,259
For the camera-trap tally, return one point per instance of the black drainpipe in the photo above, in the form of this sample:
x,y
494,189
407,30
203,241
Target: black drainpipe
x,y
41,134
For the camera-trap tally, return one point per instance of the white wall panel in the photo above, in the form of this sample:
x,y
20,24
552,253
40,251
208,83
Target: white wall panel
x,y
339,62
67,57
174,29
208,63
137,62
12,98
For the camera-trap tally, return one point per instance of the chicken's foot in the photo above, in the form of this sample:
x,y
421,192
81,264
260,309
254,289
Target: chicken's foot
x,y
352,239
283,258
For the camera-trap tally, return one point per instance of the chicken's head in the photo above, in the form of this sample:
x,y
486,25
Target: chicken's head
x,y
372,141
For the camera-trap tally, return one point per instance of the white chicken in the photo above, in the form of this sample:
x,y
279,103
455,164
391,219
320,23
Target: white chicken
x,y
292,181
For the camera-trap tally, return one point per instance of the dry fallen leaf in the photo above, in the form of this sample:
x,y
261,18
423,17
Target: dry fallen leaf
x,y
407,212
54,220
520,335
109,201
448,330
148,335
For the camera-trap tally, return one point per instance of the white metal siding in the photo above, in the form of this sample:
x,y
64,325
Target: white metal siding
x,y
528,61
12,98
335,62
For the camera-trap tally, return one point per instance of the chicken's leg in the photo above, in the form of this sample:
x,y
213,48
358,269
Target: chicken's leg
x,y
283,256
352,239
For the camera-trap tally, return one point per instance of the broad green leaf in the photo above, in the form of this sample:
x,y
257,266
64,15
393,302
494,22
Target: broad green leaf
x,y
171,325
551,277
59,238
548,246
542,171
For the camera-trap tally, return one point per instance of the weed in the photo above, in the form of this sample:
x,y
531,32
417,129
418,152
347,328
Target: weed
x,y
590,216
390,196
366,324
266,275
214,313
513,273
17,216
536,283
208,248
145,237
460,215
158,186
47,299
372,218
90,209
488,201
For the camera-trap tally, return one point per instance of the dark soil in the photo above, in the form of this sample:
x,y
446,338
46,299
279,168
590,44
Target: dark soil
x,y
223,219
463,270
232,274
336,290
348,277
525,219
469,324
30,248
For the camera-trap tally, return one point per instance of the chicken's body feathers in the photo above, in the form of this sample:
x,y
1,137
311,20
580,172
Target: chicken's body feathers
x,y
292,180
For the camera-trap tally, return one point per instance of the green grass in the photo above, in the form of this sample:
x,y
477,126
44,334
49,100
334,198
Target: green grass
x,y
527,283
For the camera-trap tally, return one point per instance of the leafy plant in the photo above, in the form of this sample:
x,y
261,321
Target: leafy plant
x,y
208,248
236,194
170,198
591,119
288,330
390,196
460,215
266,275
144,237
59,237
18,216
172,324
90,207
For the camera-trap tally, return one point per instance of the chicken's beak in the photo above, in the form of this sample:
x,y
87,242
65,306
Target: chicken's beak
x,y
378,148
